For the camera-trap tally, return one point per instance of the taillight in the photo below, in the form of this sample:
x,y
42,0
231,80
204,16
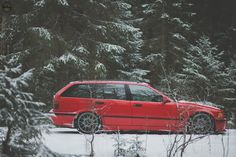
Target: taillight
x,y
55,104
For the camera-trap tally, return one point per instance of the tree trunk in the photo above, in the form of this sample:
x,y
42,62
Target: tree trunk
x,y
4,47
5,145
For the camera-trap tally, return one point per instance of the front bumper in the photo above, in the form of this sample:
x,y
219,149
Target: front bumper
x,y
220,125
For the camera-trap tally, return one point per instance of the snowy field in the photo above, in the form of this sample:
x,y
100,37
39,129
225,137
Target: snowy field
x,y
69,141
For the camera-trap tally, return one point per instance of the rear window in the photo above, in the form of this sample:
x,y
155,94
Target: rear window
x,y
99,91
78,90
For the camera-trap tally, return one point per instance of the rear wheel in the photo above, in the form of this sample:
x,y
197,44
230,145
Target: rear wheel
x,y
88,122
201,123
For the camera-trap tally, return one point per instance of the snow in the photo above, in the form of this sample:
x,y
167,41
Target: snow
x,y
125,28
81,49
40,3
124,5
63,2
99,66
69,141
177,5
164,15
230,99
43,33
67,57
180,22
179,36
22,79
136,75
109,48
50,67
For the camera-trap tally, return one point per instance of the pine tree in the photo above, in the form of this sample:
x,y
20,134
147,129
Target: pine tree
x,y
18,111
136,149
167,33
73,40
232,74
204,76
119,145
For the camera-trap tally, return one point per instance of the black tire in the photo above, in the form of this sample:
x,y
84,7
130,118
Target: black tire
x,y
88,123
201,123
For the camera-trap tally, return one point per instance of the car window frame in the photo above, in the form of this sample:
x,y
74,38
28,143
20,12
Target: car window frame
x,y
131,96
91,85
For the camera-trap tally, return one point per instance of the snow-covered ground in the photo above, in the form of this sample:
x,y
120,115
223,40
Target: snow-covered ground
x,y
69,141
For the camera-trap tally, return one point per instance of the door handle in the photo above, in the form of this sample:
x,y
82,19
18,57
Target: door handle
x,y
137,105
99,103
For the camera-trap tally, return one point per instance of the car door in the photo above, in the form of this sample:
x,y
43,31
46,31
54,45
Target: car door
x,y
112,104
148,110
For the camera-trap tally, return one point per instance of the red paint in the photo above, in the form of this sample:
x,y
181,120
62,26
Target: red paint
x,y
129,114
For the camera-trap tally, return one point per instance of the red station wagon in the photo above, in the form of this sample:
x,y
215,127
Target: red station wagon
x,y
90,106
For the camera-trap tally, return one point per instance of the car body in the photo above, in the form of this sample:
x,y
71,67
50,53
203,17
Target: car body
x,y
130,106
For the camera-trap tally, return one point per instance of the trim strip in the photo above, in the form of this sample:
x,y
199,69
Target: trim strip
x,y
65,114
110,116
157,118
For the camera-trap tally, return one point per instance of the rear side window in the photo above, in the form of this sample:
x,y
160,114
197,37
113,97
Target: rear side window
x,y
98,91
109,91
114,91
78,90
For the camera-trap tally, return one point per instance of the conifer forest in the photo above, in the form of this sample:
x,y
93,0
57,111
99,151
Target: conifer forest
x,y
184,48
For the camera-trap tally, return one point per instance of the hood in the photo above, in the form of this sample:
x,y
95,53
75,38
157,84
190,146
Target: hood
x,y
205,105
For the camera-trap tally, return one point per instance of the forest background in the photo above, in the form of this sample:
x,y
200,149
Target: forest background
x,y
184,48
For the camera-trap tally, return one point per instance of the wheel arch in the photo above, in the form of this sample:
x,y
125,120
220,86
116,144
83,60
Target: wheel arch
x,y
204,112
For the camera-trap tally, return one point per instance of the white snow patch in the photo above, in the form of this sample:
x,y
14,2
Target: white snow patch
x,y
44,33
49,67
63,2
164,15
179,36
81,49
67,58
69,141
40,3
110,48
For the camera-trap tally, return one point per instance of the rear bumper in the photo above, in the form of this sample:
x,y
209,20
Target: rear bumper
x,y
220,125
62,119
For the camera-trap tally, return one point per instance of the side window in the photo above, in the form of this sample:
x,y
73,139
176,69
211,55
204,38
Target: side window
x,y
99,91
142,93
78,90
109,91
114,91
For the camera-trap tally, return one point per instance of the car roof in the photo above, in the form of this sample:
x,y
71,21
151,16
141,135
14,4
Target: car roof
x,y
106,82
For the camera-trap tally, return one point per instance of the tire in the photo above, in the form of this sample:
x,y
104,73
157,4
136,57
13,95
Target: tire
x,y
88,123
201,123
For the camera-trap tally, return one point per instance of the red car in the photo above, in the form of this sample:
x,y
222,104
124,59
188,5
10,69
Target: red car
x,y
115,105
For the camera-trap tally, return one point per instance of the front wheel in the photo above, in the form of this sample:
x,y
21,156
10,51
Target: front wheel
x,y
88,122
201,123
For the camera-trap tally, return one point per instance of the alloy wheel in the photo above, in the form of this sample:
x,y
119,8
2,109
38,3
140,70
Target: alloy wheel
x,y
88,123
201,123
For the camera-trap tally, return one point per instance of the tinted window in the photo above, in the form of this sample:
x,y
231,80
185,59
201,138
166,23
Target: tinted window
x,y
142,93
109,91
80,91
99,91
114,91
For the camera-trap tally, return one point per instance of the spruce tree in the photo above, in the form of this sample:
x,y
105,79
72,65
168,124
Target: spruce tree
x,y
167,32
204,76
73,40
18,111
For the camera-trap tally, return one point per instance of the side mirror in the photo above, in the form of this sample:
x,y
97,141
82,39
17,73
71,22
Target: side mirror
x,y
165,100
